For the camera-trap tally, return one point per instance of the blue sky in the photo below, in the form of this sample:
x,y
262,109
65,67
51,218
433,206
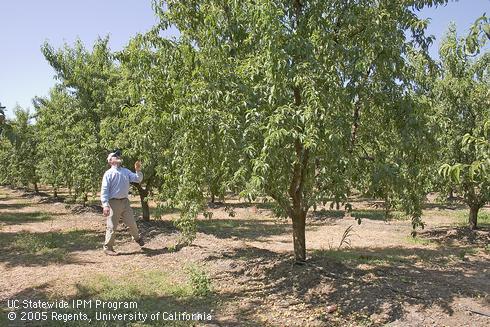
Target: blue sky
x,y
25,25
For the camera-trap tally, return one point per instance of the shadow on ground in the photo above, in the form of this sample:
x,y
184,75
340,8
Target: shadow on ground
x,y
155,227
369,285
155,213
444,206
250,229
42,249
371,214
156,294
359,214
52,199
325,214
15,218
242,205
458,235
10,206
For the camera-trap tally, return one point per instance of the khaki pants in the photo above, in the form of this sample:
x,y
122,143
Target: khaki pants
x,y
120,208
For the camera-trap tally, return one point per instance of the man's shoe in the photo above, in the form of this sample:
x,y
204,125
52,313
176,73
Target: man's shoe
x,y
140,241
110,252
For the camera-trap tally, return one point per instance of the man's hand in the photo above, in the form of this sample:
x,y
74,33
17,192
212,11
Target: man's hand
x,y
137,165
106,211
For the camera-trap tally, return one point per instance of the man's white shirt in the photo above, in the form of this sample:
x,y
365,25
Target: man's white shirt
x,y
115,183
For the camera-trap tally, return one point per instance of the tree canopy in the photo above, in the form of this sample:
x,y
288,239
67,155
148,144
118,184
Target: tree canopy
x,y
300,103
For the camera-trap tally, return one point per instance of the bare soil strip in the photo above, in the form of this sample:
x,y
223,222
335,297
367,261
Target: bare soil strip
x,y
240,268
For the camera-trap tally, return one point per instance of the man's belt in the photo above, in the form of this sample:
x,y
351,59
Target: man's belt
x,y
117,198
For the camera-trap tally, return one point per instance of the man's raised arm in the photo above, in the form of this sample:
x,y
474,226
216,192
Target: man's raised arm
x,y
138,176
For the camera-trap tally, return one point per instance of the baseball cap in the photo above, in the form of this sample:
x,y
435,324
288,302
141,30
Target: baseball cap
x,y
115,153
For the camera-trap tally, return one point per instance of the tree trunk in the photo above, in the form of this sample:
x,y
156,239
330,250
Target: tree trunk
x,y
145,208
298,210
36,189
472,221
55,192
299,240
85,199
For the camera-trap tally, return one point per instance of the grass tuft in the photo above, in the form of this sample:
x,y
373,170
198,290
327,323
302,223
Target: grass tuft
x,y
46,247
23,217
199,280
417,240
483,219
135,285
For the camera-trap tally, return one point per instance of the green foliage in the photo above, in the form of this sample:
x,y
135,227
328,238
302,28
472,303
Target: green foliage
x,y
299,102
462,94
478,36
199,281
5,151
57,143
346,237
2,118
18,151
136,122
75,109
309,101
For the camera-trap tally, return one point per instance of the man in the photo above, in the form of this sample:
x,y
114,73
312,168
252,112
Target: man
x,y
115,202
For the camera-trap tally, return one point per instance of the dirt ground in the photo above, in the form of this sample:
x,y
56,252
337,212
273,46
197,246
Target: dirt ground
x,y
378,276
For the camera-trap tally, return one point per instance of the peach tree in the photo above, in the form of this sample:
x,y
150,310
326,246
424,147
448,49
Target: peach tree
x,y
303,93
462,92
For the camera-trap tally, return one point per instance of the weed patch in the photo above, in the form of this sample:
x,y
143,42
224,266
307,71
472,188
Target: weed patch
x,y
199,281
483,219
417,240
13,218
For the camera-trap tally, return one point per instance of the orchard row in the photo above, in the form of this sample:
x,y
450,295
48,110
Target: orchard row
x,y
299,102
